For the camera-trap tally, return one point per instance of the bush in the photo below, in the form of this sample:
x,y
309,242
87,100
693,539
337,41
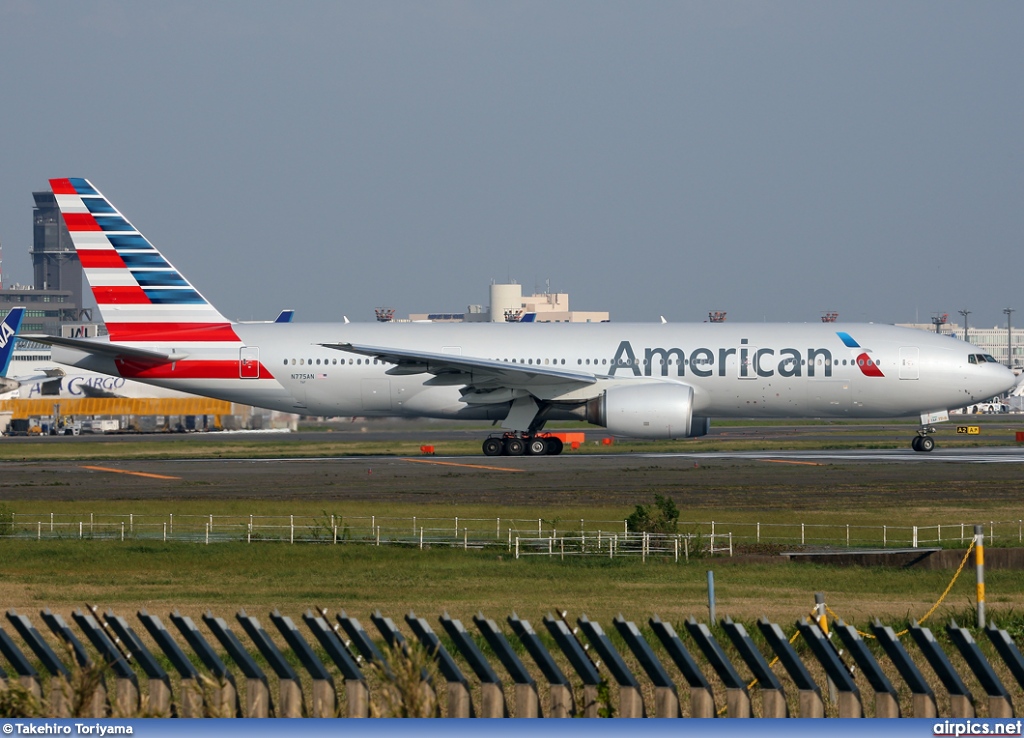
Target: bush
x,y
661,517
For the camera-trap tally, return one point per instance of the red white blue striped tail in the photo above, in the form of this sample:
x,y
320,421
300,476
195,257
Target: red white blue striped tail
x,y
141,296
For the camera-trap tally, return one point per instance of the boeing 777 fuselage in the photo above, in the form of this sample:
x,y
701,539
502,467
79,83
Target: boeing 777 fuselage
x,y
658,380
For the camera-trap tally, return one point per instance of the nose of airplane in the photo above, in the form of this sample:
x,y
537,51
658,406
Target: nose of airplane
x,y
1003,380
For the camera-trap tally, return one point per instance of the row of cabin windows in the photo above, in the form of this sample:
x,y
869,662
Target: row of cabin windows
x,y
328,362
581,362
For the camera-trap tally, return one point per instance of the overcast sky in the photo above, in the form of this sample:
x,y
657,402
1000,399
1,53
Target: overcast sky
x,y
770,159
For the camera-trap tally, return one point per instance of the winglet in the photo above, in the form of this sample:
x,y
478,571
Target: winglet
x,y
285,316
8,330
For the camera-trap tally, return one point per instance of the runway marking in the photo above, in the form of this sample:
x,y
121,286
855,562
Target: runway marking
x,y
468,466
786,461
133,473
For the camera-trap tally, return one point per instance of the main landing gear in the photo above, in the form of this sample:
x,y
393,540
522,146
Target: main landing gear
x,y
512,444
923,442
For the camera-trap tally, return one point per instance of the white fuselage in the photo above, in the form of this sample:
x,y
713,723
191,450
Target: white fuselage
x,y
735,370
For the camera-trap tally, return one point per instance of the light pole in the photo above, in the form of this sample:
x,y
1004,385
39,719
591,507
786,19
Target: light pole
x,y
1009,337
965,312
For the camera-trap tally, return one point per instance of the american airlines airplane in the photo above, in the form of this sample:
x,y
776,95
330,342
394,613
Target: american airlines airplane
x,y
656,381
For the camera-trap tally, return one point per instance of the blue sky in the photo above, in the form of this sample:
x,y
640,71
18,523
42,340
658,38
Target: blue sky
x,y
774,160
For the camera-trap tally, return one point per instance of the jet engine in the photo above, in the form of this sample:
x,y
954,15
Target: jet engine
x,y
650,410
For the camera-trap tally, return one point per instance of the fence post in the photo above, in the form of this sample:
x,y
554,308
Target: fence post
x,y
39,531
335,529
207,534
730,543
758,532
456,526
677,549
291,527
914,542
131,522
847,535
803,537
51,522
497,530
686,549
979,567
517,544
79,528
885,541
421,539
122,530
170,517
165,532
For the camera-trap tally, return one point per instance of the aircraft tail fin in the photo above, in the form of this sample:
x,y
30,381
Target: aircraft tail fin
x,y
8,329
141,296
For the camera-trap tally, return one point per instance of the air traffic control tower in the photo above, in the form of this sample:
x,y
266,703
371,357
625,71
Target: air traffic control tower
x,y
55,297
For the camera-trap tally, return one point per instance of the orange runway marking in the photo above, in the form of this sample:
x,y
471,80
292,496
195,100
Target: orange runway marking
x,y
134,474
468,466
784,461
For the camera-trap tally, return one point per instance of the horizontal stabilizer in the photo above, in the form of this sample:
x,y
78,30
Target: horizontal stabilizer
x,y
107,349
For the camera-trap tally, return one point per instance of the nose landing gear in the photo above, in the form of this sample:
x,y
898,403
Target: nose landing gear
x,y
923,442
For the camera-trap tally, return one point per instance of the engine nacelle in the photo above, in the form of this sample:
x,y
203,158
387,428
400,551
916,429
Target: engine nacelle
x,y
651,410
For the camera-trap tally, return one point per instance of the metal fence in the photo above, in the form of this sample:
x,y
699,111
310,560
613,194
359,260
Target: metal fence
x,y
334,667
522,536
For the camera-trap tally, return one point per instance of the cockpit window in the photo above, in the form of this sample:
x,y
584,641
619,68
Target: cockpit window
x,y
981,359
972,359
990,359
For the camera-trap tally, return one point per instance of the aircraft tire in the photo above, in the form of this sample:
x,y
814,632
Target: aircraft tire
x,y
926,444
555,446
514,447
493,447
915,443
537,447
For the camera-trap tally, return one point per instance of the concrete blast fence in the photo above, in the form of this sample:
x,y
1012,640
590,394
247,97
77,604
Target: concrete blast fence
x,y
574,669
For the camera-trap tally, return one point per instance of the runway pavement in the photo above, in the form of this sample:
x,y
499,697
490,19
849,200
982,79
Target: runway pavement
x,y
784,479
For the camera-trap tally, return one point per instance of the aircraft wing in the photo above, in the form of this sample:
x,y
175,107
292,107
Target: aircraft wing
x,y
105,348
470,371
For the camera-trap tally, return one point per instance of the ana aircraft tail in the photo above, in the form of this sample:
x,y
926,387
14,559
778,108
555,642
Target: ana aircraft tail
x,y
141,296
8,328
